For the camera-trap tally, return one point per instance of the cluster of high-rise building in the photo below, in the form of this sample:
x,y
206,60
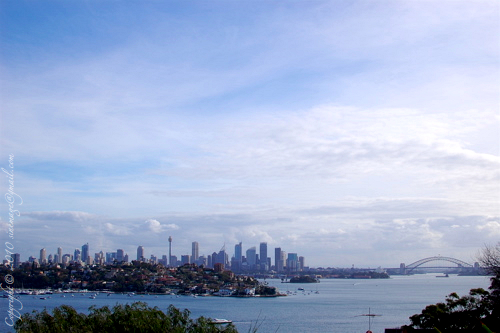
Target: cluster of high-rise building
x,y
250,261
253,261
82,256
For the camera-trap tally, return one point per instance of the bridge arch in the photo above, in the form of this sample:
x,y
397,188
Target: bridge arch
x,y
420,262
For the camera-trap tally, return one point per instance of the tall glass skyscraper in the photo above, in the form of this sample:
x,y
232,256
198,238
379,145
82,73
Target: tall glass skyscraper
x,y
78,255
59,255
140,253
251,257
195,253
263,256
85,252
278,260
43,256
119,255
237,252
292,262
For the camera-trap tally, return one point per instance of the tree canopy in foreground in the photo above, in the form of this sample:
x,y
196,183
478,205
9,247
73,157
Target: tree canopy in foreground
x,y
137,317
478,312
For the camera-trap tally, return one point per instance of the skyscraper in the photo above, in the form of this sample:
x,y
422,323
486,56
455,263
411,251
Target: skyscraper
x,y
283,259
173,261
185,259
99,258
59,255
263,256
140,253
119,255
17,260
77,256
195,252
236,262
66,259
292,262
214,259
221,257
85,252
237,252
251,257
110,257
43,256
302,263
278,261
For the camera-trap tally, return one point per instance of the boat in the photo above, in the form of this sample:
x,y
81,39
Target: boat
x,y
440,276
220,321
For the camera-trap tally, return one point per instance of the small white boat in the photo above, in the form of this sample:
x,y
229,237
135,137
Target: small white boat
x,y
220,321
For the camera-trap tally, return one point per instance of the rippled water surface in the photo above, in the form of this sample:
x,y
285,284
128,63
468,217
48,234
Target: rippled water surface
x,y
335,308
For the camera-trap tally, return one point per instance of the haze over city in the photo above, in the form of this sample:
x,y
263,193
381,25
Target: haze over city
x,y
362,133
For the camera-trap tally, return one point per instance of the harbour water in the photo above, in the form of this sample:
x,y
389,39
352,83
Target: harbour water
x,y
333,305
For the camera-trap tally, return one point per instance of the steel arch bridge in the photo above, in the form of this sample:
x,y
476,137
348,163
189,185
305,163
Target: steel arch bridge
x,y
420,262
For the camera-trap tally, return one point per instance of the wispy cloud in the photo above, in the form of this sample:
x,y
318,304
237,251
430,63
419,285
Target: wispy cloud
x,y
315,125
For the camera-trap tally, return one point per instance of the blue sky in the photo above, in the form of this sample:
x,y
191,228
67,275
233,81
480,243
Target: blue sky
x,y
350,132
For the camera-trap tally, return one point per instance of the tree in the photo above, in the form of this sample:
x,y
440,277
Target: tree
x,y
137,317
469,312
490,259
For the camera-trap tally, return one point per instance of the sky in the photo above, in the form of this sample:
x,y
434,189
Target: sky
x,y
361,133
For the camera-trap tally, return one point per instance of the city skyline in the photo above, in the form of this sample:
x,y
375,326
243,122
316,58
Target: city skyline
x,y
362,133
237,262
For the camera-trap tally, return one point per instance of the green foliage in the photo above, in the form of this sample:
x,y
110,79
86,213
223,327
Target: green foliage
x,y
478,312
303,279
265,290
468,312
137,317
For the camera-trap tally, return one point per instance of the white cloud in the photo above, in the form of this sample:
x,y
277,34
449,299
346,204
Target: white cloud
x,y
156,227
492,228
368,129
117,229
